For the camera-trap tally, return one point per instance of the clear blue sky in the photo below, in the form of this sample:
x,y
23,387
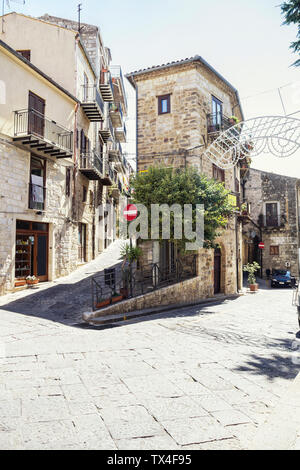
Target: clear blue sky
x,y
242,39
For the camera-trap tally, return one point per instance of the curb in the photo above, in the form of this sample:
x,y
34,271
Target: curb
x,y
90,318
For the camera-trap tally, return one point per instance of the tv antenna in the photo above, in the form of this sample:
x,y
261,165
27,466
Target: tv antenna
x,y
22,2
79,17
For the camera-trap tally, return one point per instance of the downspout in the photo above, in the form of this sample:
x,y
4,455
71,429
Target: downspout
x,y
137,118
75,215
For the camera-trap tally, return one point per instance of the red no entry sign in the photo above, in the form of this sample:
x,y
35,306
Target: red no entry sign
x,y
130,212
261,245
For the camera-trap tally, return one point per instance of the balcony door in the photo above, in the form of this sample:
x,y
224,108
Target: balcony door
x,y
217,112
36,119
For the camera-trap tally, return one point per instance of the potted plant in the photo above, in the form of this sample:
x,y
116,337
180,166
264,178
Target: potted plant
x,y
251,269
32,280
234,120
20,283
116,297
103,303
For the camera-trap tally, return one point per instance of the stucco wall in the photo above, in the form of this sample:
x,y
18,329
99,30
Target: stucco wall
x,y
46,41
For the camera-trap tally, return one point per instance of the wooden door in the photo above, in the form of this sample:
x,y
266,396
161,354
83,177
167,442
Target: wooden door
x,y
217,271
36,106
41,260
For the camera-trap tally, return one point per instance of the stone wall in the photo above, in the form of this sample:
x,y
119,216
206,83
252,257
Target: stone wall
x,y
166,140
186,292
262,187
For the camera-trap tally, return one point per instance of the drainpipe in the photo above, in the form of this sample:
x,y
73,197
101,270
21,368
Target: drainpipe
x,y
75,216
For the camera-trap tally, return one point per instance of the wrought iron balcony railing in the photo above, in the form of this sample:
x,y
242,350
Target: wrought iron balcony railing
x,y
92,103
121,133
41,134
106,86
117,76
107,131
217,122
91,165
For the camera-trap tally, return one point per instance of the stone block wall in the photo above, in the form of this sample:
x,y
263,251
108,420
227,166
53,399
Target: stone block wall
x,y
262,187
166,140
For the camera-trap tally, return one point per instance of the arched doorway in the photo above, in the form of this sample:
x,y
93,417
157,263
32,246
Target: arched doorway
x,y
217,270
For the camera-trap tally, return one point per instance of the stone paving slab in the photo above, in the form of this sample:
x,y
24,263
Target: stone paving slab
x,y
206,377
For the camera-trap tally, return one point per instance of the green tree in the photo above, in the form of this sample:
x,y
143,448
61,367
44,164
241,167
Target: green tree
x,y
291,11
174,186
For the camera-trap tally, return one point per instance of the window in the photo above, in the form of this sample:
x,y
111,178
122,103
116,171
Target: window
x,y
26,54
68,182
218,174
164,104
84,194
217,112
274,250
272,214
37,190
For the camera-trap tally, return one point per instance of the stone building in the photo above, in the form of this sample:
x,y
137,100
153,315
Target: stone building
x,y
272,218
61,127
182,107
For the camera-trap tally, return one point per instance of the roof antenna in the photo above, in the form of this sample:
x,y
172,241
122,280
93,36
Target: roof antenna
x,y
79,17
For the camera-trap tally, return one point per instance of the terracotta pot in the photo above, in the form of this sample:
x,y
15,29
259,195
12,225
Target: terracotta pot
x,y
102,304
117,299
253,287
32,283
124,292
20,283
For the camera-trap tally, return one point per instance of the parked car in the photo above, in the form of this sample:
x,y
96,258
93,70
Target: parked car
x,y
282,277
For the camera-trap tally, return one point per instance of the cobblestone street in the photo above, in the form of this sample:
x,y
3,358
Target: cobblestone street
x,y
199,378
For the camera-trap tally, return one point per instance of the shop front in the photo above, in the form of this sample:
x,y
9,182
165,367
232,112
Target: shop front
x,y
32,241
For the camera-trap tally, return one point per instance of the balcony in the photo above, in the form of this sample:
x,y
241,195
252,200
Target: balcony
x,y
218,123
116,114
107,131
121,133
107,178
115,152
91,165
106,87
119,87
36,133
92,103
37,197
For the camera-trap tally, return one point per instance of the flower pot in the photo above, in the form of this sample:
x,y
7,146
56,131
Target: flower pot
x,y
103,303
124,293
253,287
32,283
117,299
20,283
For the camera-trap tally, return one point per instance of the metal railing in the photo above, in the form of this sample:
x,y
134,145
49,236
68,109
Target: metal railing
x,y
90,94
116,108
37,197
130,281
105,79
122,129
31,122
217,122
116,72
91,161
